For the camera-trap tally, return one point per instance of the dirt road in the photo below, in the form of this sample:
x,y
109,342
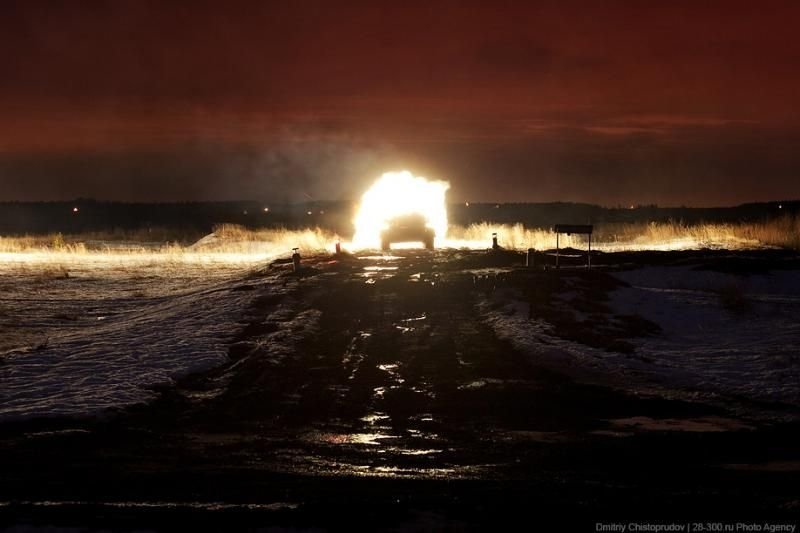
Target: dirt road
x,y
370,391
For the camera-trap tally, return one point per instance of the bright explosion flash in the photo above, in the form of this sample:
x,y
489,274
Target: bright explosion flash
x,y
397,194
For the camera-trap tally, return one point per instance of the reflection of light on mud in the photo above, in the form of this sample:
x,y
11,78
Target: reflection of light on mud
x,y
339,466
410,321
418,452
370,439
373,273
373,418
426,472
405,246
204,506
391,369
386,258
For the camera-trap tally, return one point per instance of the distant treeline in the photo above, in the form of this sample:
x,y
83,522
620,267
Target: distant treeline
x,y
83,215
548,214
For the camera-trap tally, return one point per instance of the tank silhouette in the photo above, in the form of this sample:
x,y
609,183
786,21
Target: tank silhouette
x,y
407,228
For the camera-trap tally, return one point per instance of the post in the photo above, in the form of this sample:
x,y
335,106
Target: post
x,y
494,241
556,249
338,247
296,259
589,255
529,258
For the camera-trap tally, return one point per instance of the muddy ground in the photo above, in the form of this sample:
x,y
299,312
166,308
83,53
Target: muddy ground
x,y
372,394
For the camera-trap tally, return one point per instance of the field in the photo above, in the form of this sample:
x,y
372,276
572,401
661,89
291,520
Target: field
x,y
783,232
194,379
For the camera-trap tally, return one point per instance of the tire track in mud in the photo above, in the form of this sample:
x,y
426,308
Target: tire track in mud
x,y
377,366
370,381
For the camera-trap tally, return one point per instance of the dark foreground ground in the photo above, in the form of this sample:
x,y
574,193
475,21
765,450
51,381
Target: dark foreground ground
x,y
401,410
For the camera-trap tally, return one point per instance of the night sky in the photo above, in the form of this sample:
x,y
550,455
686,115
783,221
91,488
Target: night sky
x,y
676,103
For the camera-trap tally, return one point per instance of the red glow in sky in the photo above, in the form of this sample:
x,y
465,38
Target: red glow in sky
x,y
607,102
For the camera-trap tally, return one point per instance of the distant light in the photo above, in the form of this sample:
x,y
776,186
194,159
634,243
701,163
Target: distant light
x,y
631,206
780,206
309,212
266,209
74,209
466,204
497,206
244,212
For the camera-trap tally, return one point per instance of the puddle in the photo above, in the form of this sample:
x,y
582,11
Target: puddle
x,y
432,451
387,257
353,355
373,273
374,418
410,322
369,439
340,465
372,439
391,369
396,471
424,277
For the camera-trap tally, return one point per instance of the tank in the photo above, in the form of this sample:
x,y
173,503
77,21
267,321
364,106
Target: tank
x,y
407,228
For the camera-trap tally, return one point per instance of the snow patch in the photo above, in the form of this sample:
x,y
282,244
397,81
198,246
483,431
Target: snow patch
x,y
744,359
508,315
117,362
704,345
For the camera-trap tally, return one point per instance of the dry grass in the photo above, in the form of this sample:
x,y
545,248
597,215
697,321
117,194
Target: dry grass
x,y
231,238
54,242
234,239
782,232
56,256
146,239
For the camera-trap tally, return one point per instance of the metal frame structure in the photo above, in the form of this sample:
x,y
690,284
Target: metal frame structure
x,y
569,229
